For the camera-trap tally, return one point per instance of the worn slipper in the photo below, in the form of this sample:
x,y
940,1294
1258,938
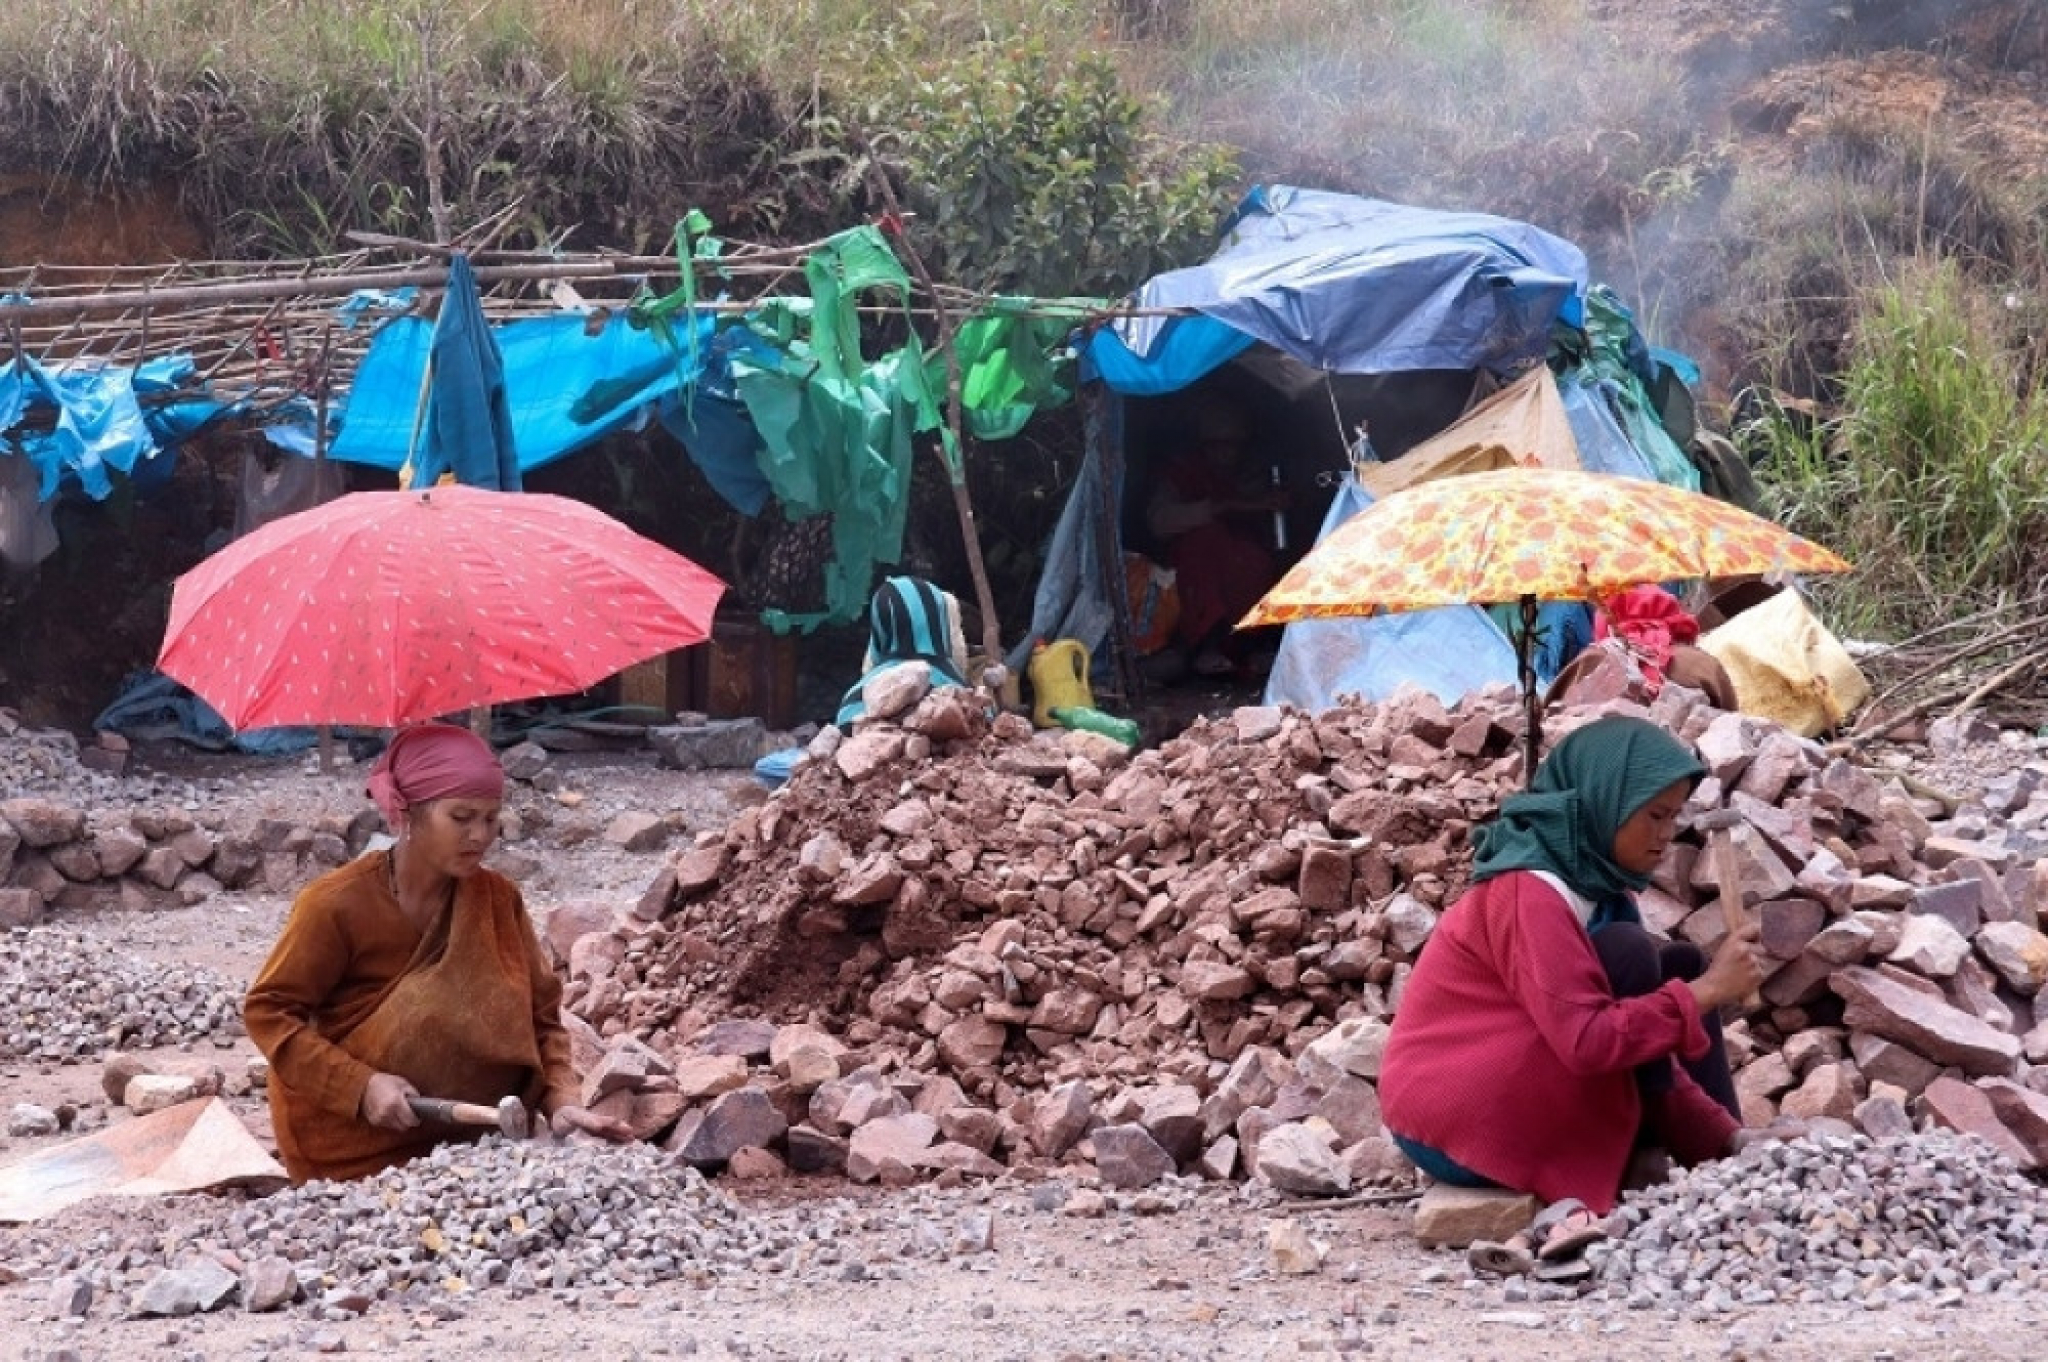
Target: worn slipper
x,y
1564,1228
1559,1270
1500,1260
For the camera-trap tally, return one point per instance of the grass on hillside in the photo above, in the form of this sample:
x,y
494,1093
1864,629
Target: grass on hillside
x,y
1934,478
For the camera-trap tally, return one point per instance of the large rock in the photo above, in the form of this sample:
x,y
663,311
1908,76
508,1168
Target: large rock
x,y
1172,1115
747,1037
203,1284
890,1150
718,744
2023,1112
1931,946
1127,1156
700,1076
269,1283
1295,1159
1060,1118
1927,1026
893,690
1352,1047
805,1056
1453,1217
736,1120
2018,953
1968,1111
43,822
972,1042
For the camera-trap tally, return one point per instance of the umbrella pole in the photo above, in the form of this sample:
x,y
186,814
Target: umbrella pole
x,y
321,389
1532,704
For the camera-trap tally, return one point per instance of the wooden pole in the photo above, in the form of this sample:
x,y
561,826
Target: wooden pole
x,y
963,501
320,398
247,290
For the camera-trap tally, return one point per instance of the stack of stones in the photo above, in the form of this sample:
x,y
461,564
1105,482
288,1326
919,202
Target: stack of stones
x,y
54,854
1205,942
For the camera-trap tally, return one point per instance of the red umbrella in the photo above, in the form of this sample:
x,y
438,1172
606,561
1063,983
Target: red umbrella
x,y
383,608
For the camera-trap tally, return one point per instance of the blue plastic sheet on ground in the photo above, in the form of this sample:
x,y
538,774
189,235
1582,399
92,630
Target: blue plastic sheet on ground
x,y
1351,285
552,366
1448,652
776,768
152,705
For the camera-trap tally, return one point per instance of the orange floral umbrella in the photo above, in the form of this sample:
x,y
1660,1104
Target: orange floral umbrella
x,y
1553,534
1528,535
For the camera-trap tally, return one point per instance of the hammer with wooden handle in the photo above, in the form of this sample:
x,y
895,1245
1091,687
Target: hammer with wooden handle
x,y
509,1116
1719,826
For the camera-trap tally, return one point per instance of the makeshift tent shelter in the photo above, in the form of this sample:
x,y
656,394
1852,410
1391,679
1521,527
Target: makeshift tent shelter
x,y
1365,309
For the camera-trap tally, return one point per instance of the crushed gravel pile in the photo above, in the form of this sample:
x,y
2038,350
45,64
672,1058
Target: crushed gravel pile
x,y
1930,1218
65,994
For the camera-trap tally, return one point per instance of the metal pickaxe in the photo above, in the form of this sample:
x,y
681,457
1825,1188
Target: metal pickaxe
x,y
509,1116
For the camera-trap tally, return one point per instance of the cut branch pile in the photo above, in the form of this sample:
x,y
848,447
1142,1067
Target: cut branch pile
x,y
1995,660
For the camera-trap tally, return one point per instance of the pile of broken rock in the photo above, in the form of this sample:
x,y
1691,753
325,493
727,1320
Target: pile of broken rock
x,y
965,946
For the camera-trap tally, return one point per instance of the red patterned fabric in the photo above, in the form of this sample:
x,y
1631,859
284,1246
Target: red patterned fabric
x,y
1651,622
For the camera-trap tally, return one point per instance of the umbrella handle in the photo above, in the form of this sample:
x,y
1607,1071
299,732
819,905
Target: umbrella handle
x,y
407,471
1532,703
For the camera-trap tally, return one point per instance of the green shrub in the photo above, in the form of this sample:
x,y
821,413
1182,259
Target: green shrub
x,y
1037,174
1934,477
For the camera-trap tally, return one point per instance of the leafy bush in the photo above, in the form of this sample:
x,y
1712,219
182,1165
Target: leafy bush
x,y
1934,478
1035,174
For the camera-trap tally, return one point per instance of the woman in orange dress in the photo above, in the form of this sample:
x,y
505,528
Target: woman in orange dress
x,y
411,972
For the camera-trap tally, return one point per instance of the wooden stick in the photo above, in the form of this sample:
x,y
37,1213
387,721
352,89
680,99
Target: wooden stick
x,y
963,502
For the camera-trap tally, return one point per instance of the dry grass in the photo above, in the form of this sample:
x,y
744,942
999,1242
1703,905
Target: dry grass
x,y
1453,102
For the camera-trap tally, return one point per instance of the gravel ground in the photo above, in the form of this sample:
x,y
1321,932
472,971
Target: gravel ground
x,y
801,1268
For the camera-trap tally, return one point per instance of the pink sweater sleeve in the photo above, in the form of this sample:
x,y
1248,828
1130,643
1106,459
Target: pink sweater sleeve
x,y
1549,965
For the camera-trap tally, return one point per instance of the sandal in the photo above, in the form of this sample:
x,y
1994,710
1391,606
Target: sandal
x,y
1491,1259
1564,1228
1560,1271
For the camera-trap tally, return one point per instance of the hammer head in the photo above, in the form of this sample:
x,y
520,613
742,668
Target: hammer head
x,y
512,1119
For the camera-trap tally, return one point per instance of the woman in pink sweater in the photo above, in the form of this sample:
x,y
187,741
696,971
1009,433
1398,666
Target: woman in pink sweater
x,y
1545,1034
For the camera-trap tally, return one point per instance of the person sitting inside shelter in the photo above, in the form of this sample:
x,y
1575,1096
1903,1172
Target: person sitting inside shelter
x,y
1545,1036
909,620
1213,512
411,972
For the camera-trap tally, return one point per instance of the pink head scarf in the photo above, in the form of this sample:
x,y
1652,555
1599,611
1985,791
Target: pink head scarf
x,y
433,761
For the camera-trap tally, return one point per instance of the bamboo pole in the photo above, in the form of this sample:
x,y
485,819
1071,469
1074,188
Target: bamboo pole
x,y
963,501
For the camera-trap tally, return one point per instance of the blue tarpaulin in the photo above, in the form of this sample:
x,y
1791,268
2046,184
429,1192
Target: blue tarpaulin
x,y
99,425
1349,285
468,433
552,367
1446,652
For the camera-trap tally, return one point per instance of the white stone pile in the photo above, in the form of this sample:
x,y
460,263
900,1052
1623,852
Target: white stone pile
x,y
1933,1218
526,1216
67,995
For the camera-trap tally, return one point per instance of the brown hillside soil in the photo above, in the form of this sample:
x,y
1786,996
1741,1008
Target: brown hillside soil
x,y
54,220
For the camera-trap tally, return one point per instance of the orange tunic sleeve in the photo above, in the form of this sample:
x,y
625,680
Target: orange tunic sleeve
x,y
341,946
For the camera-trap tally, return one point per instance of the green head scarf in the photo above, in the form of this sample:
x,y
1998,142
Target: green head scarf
x,y
1584,791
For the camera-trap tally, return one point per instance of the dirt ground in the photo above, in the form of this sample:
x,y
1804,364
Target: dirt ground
x,y
1195,1281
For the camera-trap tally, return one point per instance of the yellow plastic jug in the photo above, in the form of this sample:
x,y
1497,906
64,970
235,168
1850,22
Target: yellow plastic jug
x,y
1059,677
